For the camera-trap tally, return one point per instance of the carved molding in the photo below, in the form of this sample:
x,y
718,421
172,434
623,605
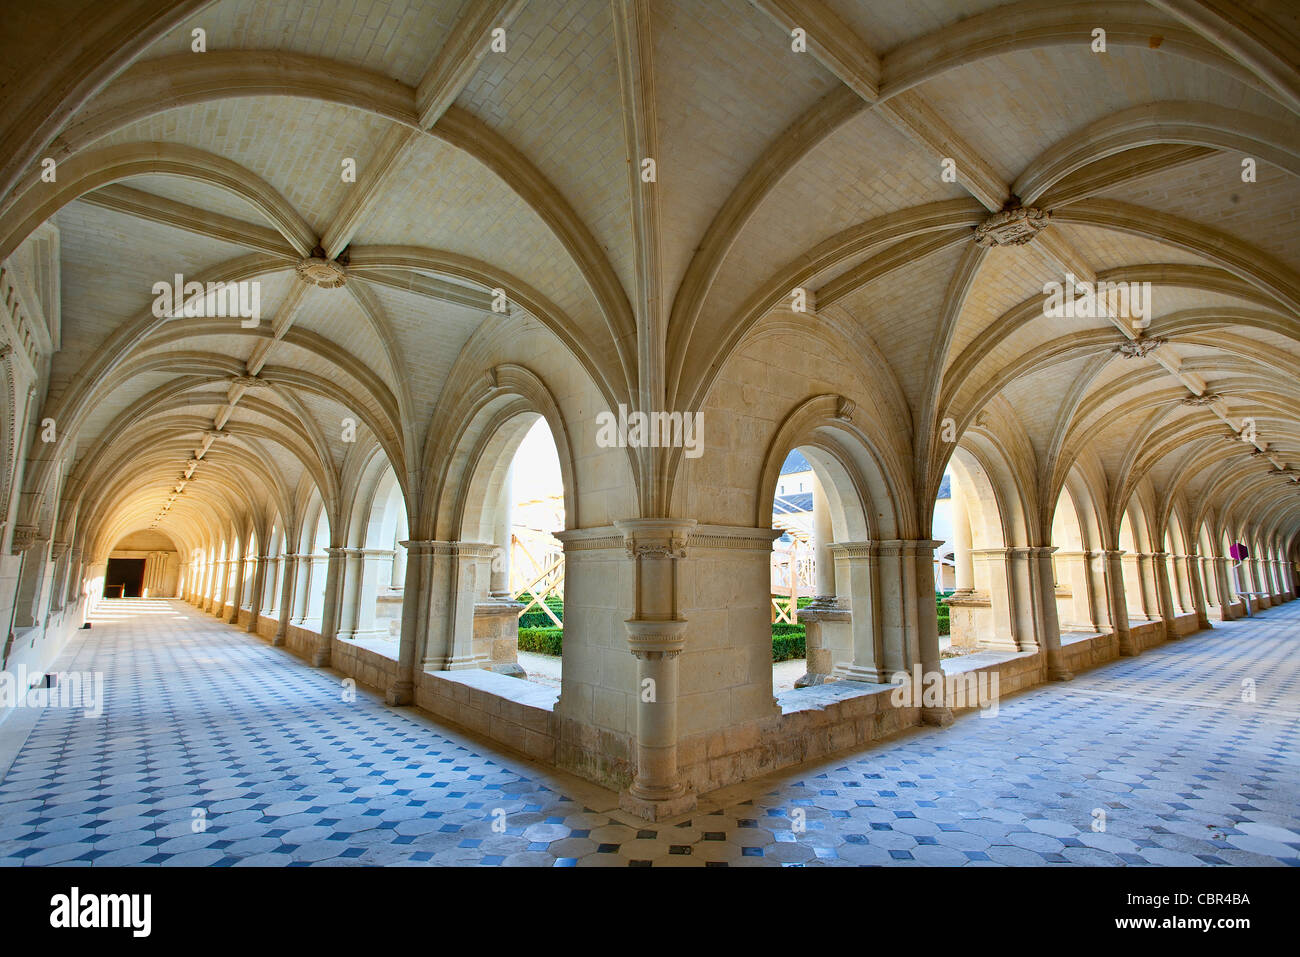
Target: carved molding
x,y
1015,226
673,547
593,544
1204,399
656,538
316,270
1138,348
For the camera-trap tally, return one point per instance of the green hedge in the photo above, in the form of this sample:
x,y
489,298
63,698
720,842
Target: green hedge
x,y
787,641
944,612
536,618
544,641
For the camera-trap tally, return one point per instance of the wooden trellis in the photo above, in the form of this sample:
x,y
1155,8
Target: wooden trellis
x,y
549,579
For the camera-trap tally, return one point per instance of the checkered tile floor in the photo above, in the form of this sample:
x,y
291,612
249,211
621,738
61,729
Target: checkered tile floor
x,y
215,749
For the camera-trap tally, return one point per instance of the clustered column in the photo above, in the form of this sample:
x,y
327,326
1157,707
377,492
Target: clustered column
x,y
656,637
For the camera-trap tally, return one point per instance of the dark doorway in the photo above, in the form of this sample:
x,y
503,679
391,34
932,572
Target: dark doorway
x,y
124,578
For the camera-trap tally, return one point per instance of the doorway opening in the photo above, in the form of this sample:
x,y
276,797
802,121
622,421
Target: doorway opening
x,y
124,578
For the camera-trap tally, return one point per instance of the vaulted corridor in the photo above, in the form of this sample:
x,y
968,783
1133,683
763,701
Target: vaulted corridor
x,y
215,748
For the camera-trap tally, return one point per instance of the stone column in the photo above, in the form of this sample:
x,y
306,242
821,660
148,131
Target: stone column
x,y
60,557
820,620
452,573
823,536
35,550
1150,590
997,569
1195,575
502,530
963,560
302,579
1224,585
397,579
921,554
376,563
1047,626
288,598
1094,582
656,636
415,614
259,586
217,599
76,574
1114,560
237,591
207,583
349,600
1209,590
871,649
1165,595
888,644
334,575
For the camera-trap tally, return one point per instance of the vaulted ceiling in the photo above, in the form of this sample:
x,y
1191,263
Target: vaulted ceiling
x,y
775,168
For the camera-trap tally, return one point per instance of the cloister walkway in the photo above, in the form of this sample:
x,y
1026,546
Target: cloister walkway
x,y
214,748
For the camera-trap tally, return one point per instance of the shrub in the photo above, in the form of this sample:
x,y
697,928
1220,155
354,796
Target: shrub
x,y
544,641
944,612
788,642
536,618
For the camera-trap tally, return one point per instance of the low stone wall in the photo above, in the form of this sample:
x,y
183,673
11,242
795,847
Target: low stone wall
x,y
516,713
1079,653
597,754
814,722
1147,634
364,663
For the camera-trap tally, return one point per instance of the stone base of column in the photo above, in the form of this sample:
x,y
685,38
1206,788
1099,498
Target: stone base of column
x,y
872,676
939,717
320,658
1003,644
399,693
809,680
1059,673
656,806
372,634
277,640
456,663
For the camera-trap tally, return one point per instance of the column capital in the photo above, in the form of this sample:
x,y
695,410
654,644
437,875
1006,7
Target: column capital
x,y
904,546
656,537
457,549
1019,550
655,638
